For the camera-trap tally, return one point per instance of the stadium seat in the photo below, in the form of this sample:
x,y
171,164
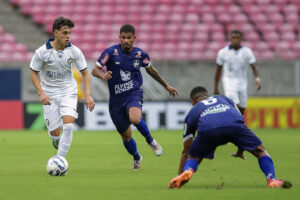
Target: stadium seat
x,y
269,26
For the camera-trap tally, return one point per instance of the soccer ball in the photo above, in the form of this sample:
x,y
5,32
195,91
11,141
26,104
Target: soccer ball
x,y
57,166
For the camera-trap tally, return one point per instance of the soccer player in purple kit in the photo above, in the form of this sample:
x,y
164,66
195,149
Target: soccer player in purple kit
x,y
123,63
218,121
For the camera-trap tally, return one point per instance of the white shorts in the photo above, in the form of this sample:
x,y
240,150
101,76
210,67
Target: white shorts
x,y
63,106
238,96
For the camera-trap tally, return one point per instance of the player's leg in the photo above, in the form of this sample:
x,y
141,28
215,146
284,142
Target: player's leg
x,y
202,147
68,111
67,136
121,121
243,101
53,122
135,116
130,145
245,139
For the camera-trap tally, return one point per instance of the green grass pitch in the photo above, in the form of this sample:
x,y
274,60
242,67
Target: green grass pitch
x,y
100,168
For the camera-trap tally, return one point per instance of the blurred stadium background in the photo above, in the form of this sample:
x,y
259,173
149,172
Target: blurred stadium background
x,y
181,36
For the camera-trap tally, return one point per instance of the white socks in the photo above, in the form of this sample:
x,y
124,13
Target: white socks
x,y
65,140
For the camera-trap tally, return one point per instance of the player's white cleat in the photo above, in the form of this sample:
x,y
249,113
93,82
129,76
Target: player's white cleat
x,y
157,149
137,163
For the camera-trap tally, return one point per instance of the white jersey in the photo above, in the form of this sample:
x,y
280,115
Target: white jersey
x,y
55,67
235,65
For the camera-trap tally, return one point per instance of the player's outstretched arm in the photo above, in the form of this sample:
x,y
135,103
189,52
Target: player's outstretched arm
x,y
152,71
37,84
217,79
89,101
101,73
257,79
184,154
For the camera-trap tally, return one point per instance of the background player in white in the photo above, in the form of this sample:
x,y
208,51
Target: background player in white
x,y
56,86
234,60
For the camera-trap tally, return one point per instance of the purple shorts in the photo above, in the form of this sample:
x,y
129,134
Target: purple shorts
x,y
119,112
207,141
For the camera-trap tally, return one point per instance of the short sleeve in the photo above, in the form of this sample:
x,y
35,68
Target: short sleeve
x,y
36,62
190,126
104,58
252,59
80,61
146,62
220,60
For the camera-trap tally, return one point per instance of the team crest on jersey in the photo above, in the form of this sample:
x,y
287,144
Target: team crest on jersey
x,y
125,76
69,61
139,54
136,63
115,52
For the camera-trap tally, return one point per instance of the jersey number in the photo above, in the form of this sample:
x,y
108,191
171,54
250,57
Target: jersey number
x,y
210,100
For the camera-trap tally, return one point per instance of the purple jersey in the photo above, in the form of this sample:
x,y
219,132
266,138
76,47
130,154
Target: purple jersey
x,y
126,75
213,112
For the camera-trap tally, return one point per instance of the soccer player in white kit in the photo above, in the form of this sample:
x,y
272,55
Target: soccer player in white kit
x,y
56,85
234,60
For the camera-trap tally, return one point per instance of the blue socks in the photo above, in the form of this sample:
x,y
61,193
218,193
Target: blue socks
x,y
143,129
267,166
190,164
132,149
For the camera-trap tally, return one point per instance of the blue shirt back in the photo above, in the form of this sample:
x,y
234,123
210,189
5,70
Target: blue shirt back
x,y
126,75
213,112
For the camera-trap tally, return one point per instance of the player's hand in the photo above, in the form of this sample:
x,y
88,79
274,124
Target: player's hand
x,y
216,91
239,154
89,102
257,83
45,99
107,75
173,91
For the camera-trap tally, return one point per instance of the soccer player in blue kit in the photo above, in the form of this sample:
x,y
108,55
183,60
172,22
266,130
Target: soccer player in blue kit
x,y
123,63
218,121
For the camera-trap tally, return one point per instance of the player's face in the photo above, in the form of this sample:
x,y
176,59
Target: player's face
x,y
127,40
235,40
63,35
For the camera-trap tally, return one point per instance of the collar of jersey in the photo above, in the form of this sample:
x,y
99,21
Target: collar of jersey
x,y
230,47
49,46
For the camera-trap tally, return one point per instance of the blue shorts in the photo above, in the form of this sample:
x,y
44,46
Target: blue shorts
x,y
207,141
119,111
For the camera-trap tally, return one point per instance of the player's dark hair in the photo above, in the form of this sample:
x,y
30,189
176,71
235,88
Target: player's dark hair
x,y
127,28
237,32
197,92
60,22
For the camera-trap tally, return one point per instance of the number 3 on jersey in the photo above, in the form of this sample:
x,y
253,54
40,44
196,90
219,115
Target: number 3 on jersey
x,y
209,101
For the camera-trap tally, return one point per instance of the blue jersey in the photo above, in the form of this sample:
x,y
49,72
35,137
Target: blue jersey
x,y
126,75
213,112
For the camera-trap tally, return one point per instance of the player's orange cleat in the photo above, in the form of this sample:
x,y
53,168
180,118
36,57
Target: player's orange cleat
x,y
181,179
273,183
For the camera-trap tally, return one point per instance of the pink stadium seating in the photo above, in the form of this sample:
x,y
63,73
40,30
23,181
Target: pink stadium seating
x,y
10,50
168,29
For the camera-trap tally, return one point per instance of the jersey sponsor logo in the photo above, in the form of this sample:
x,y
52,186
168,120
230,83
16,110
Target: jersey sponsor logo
x,y
120,88
55,74
125,76
139,54
105,59
146,61
215,109
115,52
136,63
